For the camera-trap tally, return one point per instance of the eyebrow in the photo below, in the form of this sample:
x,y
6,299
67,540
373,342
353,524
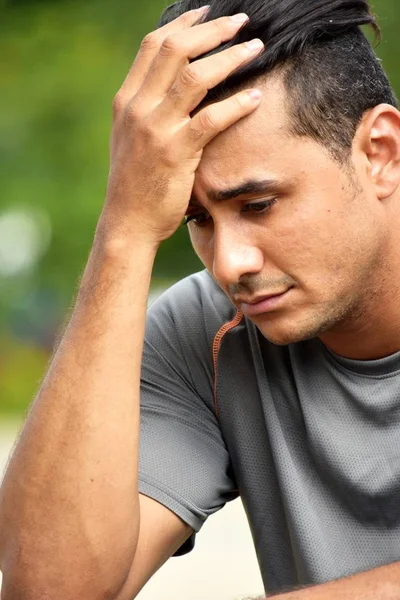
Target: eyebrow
x,y
252,186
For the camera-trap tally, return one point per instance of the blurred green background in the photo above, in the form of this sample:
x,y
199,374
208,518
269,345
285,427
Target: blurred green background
x,y
61,63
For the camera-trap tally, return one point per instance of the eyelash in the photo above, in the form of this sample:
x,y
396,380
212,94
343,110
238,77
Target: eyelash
x,y
265,206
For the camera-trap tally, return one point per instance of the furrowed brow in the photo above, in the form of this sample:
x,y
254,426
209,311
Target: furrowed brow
x,y
245,189
252,186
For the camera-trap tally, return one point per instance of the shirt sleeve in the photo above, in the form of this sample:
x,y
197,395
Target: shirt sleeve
x,y
184,463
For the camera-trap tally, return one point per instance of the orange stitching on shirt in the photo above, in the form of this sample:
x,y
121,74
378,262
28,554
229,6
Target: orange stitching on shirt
x,y
216,348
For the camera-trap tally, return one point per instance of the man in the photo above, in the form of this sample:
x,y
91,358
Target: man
x,y
274,374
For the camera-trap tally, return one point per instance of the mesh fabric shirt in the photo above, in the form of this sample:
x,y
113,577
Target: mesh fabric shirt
x,y
309,440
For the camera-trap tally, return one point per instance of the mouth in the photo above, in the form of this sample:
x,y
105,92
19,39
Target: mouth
x,y
262,304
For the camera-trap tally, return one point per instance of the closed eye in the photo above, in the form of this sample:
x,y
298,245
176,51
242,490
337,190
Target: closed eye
x,y
203,218
199,219
259,207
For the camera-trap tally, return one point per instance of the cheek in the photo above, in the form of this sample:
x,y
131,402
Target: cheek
x,y
201,245
312,241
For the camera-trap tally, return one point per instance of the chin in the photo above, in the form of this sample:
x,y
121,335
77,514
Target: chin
x,y
285,338
283,331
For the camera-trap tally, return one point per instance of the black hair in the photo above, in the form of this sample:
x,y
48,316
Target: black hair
x,y
330,71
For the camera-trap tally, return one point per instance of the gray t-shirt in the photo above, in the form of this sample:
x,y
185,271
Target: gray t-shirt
x,y
309,440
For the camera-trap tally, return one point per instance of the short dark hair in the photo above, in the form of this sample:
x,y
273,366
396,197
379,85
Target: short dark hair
x,y
330,71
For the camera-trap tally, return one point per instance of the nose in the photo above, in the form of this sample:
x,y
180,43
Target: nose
x,y
235,256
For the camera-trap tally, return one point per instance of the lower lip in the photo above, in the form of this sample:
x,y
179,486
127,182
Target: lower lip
x,y
252,310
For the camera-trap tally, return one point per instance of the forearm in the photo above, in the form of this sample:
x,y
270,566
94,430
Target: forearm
x,y
380,584
69,504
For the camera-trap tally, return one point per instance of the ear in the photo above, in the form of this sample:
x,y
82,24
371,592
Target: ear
x,y
378,138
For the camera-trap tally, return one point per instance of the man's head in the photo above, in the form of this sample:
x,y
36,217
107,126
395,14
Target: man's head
x,y
330,72
326,137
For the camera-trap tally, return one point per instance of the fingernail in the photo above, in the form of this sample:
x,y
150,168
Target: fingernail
x,y
255,94
203,9
255,44
240,18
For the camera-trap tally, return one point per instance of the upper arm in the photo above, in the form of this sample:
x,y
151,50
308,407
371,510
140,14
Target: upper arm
x,y
161,534
185,473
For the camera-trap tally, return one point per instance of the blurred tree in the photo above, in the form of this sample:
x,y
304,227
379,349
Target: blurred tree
x,y
61,69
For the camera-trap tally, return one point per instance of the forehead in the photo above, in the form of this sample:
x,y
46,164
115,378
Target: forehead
x,y
258,146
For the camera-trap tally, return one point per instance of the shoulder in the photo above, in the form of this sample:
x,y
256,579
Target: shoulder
x,y
181,328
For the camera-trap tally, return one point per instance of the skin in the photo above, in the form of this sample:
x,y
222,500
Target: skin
x,y
333,235
76,459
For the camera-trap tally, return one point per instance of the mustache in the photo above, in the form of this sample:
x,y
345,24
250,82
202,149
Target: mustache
x,y
252,285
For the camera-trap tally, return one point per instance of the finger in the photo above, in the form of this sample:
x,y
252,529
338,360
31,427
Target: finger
x,y
179,48
199,77
150,47
217,117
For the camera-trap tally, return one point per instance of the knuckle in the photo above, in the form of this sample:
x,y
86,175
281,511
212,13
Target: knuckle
x,y
118,104
207,120
170,46
193,77
196,133
133,114
150,42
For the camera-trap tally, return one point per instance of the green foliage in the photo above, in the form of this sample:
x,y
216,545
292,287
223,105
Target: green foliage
x,y
61,64
21,368
62,67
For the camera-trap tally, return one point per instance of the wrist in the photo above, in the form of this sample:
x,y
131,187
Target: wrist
x,y
115,242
